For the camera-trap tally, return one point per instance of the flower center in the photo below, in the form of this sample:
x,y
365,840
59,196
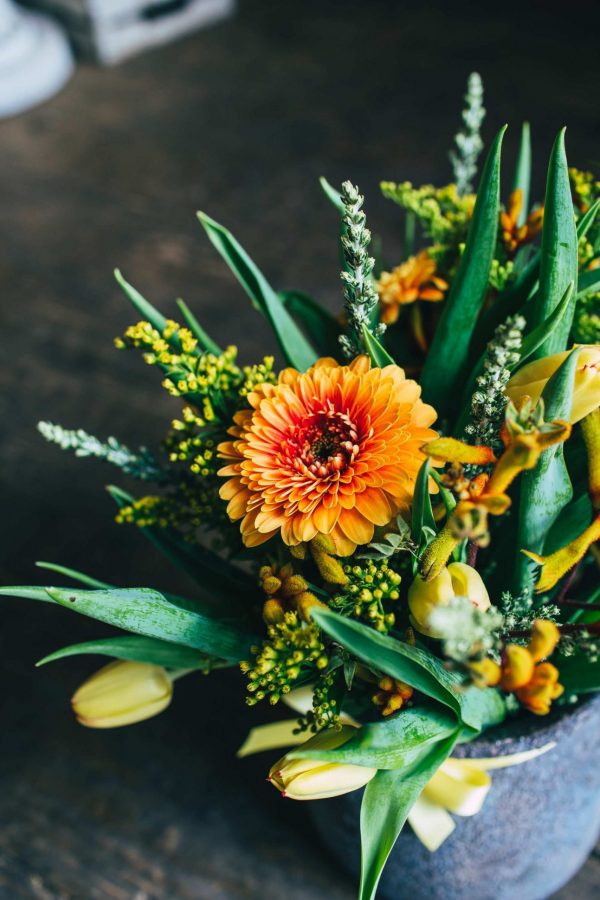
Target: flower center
x,y
324,443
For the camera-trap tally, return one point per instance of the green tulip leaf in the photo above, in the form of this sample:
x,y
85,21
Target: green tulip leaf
x,y
390,744
558,263
145,309
138,649
316,322
204,340
546,490
448,356
147,612
296,349
387,801
522,176
378,354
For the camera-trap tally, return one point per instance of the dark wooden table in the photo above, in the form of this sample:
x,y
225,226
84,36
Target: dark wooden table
x,y
240,121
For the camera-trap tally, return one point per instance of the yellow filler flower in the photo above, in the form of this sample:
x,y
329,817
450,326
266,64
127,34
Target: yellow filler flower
x,y
333,451
122,693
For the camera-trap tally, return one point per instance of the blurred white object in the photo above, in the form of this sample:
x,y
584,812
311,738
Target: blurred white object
x,y
35,59
111,30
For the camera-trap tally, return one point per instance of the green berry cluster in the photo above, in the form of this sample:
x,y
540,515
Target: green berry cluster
x,y
293,649
371,590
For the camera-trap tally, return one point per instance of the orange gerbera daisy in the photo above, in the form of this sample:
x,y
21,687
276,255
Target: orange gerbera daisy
x,y
335,451
414,280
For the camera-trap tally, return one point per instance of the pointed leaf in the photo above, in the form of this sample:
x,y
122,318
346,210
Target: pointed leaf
x,y
334,196
147,612
390,744
137,648
74,575
229,587
546,490
422,513
522,176
296,350
316,322
379,355
145,309
387,801
449,352
558,264
206,343
587,220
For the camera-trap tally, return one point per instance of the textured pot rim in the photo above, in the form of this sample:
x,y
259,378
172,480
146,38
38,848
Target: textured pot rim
x,y
525,732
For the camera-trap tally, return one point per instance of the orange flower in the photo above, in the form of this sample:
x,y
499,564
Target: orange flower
x,y
513,234
335,451
414,280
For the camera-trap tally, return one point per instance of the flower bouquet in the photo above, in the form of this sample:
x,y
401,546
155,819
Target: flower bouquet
x,y
393,535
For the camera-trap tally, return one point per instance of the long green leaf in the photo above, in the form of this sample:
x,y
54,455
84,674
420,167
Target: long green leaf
x,y
449,352
589,282
578,673
546,490
137,648
390,744
334,196
206,342
509,302
558,264
379,355
295,348
522,176
418,668
587,220
145,309
74,575
317,322
229,587
422,513
387,801
147,612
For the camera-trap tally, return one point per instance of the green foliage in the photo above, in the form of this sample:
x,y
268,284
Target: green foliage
x,y
449,351
522,176
140,649
558,263
387,801
296,349
147,612
546,490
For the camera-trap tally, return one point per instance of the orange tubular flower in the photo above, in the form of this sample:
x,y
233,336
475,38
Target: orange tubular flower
x,y
513,234
414,280
334,451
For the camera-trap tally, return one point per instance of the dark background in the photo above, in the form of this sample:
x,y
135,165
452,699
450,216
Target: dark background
x,y
239,120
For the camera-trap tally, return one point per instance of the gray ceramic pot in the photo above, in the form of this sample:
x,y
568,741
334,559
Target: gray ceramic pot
x,y
538,825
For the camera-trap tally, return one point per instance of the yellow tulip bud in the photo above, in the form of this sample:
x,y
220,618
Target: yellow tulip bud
x,y
455,580
531,380
313,779
122,693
